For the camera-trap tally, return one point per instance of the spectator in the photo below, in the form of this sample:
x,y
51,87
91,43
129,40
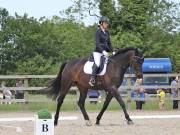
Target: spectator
x,y
19,94
174,92
139,94
161,95
7,93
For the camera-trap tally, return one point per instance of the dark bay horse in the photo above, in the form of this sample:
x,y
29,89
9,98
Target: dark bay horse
x,y
72,74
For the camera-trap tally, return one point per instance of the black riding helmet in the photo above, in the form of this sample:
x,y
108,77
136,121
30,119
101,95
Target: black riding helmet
x,y
103,19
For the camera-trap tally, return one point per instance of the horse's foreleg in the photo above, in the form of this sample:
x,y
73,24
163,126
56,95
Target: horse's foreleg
x,y
106,103
122,104
81,102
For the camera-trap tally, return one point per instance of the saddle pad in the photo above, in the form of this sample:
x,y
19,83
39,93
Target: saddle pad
x,y
88,68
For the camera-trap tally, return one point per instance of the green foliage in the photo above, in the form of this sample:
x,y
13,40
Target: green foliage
x,y
44,114
36,65
146,24
31,46
126,39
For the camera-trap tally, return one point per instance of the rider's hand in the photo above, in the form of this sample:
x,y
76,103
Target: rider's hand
x,y
106,53
113,53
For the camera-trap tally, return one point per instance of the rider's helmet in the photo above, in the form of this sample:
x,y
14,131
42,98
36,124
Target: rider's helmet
x,y
103,19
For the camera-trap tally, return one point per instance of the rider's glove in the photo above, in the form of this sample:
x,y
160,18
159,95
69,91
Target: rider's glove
x,y
114,53
105,53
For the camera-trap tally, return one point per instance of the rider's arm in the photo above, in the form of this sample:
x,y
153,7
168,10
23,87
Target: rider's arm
x,y
109,43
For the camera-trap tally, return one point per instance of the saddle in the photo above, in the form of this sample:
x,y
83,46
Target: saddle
x,y
90,62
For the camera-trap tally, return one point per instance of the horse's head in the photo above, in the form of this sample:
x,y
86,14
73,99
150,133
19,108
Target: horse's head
x,y
136,63
130,57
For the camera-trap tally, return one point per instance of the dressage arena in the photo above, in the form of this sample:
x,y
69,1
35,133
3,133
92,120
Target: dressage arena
x,y
113,123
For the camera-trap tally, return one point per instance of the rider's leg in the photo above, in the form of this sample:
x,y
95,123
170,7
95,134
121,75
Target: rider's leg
x,y
97,57
94,75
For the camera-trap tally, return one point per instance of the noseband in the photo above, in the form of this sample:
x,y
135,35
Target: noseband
x,y
138,59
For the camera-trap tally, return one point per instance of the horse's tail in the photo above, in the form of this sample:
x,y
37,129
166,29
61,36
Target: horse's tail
x,y
54,88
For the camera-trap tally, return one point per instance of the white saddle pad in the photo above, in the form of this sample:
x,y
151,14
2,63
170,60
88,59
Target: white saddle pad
x,y
88,68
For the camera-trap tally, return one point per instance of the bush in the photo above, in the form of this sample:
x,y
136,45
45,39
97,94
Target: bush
x,y
44,114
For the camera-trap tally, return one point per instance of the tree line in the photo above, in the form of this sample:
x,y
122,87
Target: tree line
x,y
38,46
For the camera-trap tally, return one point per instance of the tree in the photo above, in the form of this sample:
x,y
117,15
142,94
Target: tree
x,y
25,39
146,24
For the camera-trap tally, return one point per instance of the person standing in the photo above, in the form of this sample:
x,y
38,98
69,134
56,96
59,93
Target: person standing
x,y
19,94
174,92
161,94
139,94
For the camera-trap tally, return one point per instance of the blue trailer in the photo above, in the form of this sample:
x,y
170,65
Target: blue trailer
x,y
156,66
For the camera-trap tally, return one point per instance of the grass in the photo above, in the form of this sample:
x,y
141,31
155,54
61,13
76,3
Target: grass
x,y
70,104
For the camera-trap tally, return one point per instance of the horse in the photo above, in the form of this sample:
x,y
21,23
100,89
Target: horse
x,y
71,74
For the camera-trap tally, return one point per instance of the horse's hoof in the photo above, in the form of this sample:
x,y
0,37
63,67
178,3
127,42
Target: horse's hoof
x,y
97,123
88,123
55,123
130,122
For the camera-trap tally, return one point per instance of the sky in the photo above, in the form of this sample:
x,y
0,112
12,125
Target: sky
x,y
40,8
36,8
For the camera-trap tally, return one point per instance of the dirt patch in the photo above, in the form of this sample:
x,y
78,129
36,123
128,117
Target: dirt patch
x,y
112,123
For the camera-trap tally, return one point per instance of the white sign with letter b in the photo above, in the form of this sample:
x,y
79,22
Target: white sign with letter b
x,y
44,126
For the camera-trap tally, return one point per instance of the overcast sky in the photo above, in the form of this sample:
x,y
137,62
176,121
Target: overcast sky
x,y
40,8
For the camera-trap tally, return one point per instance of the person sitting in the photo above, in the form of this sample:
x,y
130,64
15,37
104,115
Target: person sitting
x,y
103,46
7,93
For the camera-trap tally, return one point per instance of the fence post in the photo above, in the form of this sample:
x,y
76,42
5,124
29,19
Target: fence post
x,y
129,93
26,92
178,87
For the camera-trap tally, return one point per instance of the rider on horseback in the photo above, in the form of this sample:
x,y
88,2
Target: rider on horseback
x,y
103,46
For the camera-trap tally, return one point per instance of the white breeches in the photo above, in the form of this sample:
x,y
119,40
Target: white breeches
x,y
97,58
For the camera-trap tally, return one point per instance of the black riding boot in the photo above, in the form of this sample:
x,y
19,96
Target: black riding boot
x,y
92,81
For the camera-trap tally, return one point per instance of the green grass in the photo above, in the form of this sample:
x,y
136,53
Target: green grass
x,y
70,104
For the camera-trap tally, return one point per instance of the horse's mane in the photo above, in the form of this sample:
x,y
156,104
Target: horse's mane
x,y
124,50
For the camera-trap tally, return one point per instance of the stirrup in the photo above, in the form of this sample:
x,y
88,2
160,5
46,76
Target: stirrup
x,y
92,81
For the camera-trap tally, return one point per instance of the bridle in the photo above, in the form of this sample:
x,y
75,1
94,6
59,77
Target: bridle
x,y
136,59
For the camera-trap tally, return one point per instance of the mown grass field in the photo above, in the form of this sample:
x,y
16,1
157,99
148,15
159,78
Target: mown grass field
x,y
70,104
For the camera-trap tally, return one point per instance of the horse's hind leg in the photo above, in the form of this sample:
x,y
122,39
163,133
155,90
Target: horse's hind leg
x,y
106,103
59,103
81,102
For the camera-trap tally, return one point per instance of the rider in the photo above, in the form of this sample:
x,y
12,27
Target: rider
x,y
103,46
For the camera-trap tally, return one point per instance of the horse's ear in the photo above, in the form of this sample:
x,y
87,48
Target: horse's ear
x,y
139,50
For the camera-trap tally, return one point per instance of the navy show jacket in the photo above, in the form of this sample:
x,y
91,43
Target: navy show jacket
x,y
103,42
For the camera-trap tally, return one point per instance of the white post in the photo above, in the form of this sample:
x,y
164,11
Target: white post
x,y
129,93
178,88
